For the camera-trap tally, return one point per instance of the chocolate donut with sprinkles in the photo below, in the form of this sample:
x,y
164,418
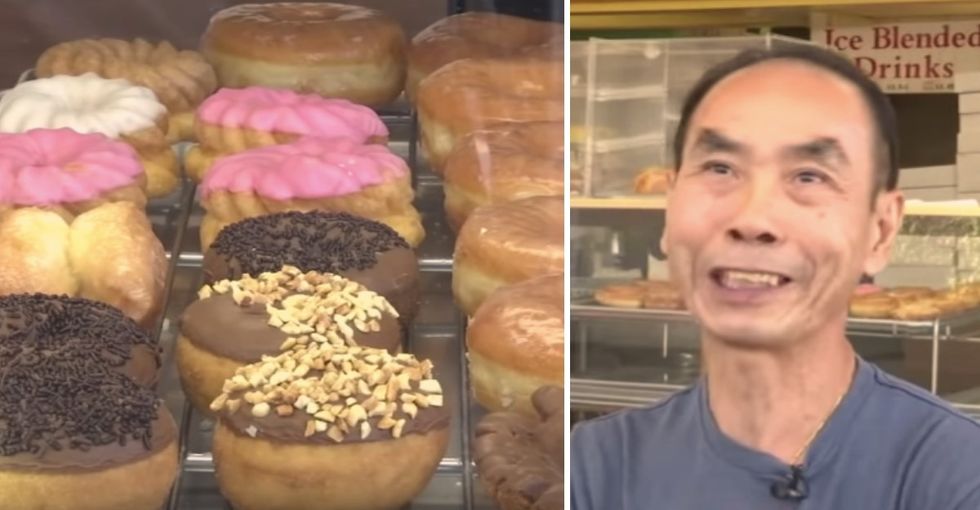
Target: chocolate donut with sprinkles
x,y
79,426
359,249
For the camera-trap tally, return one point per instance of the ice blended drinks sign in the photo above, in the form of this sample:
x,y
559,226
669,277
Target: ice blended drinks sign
x,y
905,57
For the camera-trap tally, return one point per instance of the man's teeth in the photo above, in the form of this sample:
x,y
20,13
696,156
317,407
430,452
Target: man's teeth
x,y
748,280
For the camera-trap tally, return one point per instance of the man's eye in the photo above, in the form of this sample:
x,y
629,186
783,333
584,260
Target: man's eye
x,y
810,177
717,168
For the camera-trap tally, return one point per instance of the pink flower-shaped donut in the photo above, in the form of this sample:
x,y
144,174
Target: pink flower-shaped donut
x,y
284,111
55,166
306,168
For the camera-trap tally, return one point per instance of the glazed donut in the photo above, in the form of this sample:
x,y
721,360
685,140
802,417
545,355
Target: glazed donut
x,y
365,251
234,120
621,295
292,440
236,322
877,305
479,35
662,295
472,94
311,174
507,243
91,438
516,343
504,163
334,50
179,79
67,172
652,181
90,104
520,459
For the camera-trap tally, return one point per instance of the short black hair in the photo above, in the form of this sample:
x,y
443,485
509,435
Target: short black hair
x,y
882,113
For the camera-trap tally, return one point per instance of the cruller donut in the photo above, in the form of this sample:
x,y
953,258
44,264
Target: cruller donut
x,y
334,50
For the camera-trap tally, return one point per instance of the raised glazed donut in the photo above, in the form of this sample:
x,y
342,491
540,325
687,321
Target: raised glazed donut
x,y
373,449
479,35
334,50
472,94
516,343
507,243
236,322
234,120
179,79
504,163
365,251
91,104
77,431
311,174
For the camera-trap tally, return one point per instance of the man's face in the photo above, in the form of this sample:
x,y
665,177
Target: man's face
x,y
769,219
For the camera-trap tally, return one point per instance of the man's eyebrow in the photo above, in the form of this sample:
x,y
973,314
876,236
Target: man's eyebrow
x,y
824,150
711,141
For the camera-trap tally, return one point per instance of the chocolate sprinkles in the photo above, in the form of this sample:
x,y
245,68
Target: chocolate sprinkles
x,y
313,241
59,387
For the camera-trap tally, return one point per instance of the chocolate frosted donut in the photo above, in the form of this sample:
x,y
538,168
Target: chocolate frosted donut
x,y
90,437
520,459
93,330
236,322
366,251
329,427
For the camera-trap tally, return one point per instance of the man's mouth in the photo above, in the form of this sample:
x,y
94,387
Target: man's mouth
x,y
743,279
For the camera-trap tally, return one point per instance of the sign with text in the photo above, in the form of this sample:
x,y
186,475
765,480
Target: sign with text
x,y
905,57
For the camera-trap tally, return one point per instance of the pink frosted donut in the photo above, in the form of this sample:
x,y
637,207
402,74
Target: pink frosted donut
x,y
56,166
307,168
284,111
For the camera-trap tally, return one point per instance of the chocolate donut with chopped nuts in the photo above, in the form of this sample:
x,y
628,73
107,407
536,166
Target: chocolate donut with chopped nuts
x,y
520,459
329,427
236,322
90,437
365,251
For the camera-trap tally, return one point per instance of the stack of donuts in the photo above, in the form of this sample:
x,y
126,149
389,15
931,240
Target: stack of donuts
x,y
295,345
912,303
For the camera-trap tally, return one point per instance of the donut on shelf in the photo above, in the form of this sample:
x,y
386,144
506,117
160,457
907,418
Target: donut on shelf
x,y
236,322
335,50
234,120
90,104
180,79
479,35
311,174
506,243
471,94
520,458
92,438
362,250
502,163
516,343
655,294
329,428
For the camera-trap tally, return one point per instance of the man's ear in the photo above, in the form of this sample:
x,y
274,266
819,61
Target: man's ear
x,y
886,217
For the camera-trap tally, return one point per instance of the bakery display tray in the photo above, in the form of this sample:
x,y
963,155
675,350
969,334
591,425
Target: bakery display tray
x,y
960,325
437,334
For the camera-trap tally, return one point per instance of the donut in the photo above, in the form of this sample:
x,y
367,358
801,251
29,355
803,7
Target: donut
x,y
479,35
332,428
471,94
878,305
234,120
516,343
520,458
661,295
651,181
506,243
620,295
503,163
334,50
362,250
91,437
236,322
180,79
311,174
42,252
67,172
91,104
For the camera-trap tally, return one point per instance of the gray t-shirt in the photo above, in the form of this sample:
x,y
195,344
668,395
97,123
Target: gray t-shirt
x,y
888,446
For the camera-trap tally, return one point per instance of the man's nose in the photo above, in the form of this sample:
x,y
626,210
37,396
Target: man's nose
x,y
754,218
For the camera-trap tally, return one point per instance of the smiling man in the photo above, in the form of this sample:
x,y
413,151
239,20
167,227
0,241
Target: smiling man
x,y
783,197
